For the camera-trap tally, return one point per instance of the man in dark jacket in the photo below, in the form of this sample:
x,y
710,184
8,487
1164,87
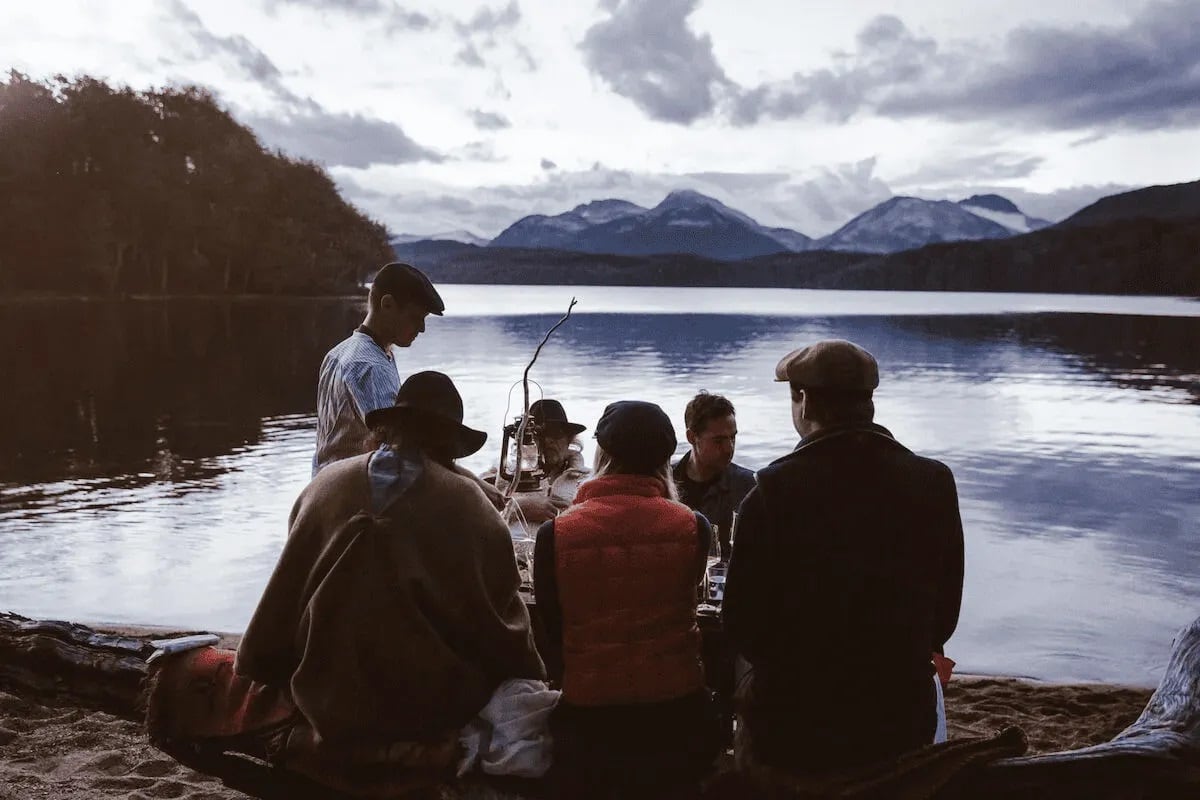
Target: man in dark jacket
x,y
846,576
708,480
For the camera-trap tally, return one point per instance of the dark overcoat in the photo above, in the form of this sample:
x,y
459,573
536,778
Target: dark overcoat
x,y
846,575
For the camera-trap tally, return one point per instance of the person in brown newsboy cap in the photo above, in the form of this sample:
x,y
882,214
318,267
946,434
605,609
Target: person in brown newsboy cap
x,y
847,570
832,382
832,364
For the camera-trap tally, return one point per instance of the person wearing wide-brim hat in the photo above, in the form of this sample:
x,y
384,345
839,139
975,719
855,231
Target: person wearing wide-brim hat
x,y
428,411
393,613
616,578
562,456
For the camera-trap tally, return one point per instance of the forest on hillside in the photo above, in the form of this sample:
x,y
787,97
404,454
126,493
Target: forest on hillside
x,y
113,191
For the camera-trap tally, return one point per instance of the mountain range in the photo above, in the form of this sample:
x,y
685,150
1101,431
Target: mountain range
x,y
689,222
464,236
1140,242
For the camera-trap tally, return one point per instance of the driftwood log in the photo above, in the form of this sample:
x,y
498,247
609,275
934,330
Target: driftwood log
x,y
47,658
1158,756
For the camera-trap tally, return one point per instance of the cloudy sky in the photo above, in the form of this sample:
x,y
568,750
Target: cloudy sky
x,y
434,115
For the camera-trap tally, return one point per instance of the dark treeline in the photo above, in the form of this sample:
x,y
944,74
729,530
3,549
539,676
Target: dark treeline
x,y
113,191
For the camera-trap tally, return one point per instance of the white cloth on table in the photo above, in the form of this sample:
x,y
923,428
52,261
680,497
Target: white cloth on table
x,y
511,734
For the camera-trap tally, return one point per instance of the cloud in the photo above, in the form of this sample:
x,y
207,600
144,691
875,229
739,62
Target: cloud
x,y
995,166
395,17
489,120
831,196
334,139
525,56
739,181
359,7
1054,206
469,56
548,164
646,52
1142,75
478,151
302,127
487,20
478,35
815,203
238,50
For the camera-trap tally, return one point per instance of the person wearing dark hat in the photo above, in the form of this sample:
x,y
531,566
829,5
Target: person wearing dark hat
x,y
393,613
359,374
562,456
616,579
846,576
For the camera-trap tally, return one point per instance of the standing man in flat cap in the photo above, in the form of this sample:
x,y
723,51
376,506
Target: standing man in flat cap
x,y
359,374
846,577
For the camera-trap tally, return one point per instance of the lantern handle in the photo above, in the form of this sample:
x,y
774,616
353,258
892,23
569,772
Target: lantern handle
x,y
508,402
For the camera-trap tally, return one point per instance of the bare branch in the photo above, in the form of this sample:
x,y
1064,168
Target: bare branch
x,y
525,386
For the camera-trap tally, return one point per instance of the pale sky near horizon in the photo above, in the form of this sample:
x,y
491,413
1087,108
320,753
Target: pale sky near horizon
x,y
435,115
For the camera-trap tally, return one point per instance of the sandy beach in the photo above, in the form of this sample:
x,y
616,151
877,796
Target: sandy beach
x,y
54,750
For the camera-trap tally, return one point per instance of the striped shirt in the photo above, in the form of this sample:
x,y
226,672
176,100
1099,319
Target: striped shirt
x,y
357,376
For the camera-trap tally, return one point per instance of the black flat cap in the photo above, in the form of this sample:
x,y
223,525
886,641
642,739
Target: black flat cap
x,y
406,282
636,433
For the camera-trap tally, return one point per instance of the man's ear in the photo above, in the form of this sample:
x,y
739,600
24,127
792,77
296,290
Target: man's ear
x,y
691,436
803,403
388,301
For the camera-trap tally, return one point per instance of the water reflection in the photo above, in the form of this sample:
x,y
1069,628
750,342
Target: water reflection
x,y
149,452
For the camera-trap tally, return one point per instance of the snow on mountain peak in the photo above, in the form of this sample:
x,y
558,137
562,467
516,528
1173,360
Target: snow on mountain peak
x,y
1002,211
464,236
598,212
689,200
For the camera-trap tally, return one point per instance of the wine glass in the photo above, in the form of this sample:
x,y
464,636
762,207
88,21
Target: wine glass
x,y
714,546
715,571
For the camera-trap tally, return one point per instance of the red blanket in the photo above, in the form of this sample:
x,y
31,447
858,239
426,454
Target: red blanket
x,y
196,707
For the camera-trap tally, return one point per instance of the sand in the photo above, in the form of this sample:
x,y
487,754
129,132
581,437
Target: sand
x,y
51,750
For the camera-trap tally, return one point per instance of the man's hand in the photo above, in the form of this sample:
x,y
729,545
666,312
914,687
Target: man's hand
x,y
537,508
493,494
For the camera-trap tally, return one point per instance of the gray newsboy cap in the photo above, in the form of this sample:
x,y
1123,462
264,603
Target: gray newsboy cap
x,y
832,365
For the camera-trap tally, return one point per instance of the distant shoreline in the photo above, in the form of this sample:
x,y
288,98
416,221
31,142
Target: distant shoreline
x,y
42,297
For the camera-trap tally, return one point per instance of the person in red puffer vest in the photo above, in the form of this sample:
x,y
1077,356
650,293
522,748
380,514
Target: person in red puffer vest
x,y
616,577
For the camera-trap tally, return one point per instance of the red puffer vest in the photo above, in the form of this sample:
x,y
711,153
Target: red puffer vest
x,y
626,560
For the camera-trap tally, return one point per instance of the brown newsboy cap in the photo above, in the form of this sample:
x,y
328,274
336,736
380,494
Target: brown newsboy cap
x,y
833,365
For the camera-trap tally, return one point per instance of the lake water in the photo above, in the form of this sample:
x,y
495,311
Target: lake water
x,y
150,450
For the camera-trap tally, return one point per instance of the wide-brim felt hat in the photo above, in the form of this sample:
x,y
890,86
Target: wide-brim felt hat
x,y
432,398
551,416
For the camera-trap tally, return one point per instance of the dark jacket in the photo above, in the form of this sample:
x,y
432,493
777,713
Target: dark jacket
x,y
722,498
846,576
